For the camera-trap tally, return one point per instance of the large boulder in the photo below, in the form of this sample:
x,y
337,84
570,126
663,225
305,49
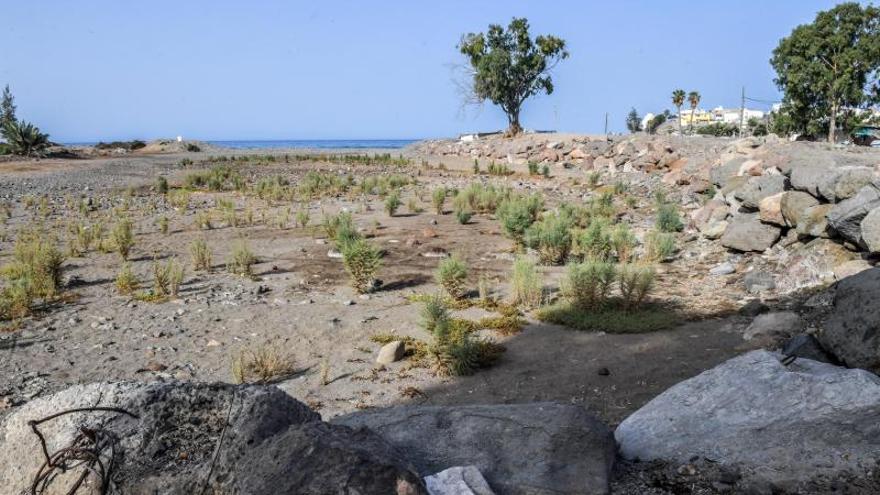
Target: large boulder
x,y
870,228
780,425
813,221
844,182
746,232
770,209
809,265
539,448
200,438
852,330
793,204
721,174
775,325
758,188
846,217
808,171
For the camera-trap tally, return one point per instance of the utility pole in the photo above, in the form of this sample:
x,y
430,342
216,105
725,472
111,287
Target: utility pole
x,y
606,123
742,112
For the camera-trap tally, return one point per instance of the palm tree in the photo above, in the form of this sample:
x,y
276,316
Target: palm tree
x,y
694,100
678,100
24,138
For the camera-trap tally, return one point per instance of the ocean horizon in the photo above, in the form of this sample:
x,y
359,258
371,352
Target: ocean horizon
x,y
253,144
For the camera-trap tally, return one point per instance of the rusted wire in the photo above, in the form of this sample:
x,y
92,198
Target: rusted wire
x,y
83,453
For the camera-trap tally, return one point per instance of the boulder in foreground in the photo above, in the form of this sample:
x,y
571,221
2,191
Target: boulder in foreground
x,y
780,425
202,438
535,449
852,330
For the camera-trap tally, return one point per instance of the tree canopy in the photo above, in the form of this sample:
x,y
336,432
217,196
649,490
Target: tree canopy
x,y
509,66
7,108
829,66
633,121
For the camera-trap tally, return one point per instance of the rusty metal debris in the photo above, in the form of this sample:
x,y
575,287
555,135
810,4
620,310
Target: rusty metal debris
x,y
84,454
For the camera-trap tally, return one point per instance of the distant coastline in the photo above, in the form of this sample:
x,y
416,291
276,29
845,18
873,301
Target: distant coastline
x,y
329,144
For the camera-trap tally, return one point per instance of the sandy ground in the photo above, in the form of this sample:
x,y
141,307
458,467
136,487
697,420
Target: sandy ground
x,y
300,303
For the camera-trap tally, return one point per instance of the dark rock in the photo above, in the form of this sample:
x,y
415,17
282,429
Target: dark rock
x,y
852,331
539,448
753,308
806,346
271,444
846,217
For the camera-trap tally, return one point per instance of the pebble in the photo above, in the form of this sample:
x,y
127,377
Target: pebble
x,y
725,268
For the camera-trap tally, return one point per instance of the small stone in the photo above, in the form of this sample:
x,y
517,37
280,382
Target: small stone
x,y
213,343
348,302
391,352
603,371
725,268
334,254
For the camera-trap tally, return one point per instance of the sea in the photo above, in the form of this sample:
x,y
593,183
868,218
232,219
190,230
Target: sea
x,y
336,144
329,144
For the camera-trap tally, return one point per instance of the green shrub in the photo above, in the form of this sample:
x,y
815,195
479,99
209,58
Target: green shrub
x,y
610,319
594,243
463,216
452,275
438,197
517,214
635,282
533,168
588,285
668,219
455,350
123,237
126,281
163,224
161,185
659,246
362,261
241,259
623,242
203,220
527,287
392,203
551,237
201,255
302,218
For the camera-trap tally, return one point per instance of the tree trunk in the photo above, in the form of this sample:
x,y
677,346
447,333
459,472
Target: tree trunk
x,y
691,125
680,132
832,123
513,127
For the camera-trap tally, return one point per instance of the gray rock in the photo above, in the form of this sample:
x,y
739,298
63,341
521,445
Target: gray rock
x,y
793,204
806,346
538,448
775,324
271,444
780,425
758,281
870,228
465,480
813,222
844,182
806,176
721,174
746,232
391,352
852,330
725,268
758,188
846,217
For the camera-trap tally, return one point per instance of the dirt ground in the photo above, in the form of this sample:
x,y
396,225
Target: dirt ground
x,y
300,303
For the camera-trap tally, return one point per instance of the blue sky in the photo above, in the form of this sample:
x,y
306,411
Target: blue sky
x,y
90,70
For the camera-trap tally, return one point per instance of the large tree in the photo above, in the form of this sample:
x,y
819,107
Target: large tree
x,y
694,100
509,66
828,66
633,121
7,108
678,100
